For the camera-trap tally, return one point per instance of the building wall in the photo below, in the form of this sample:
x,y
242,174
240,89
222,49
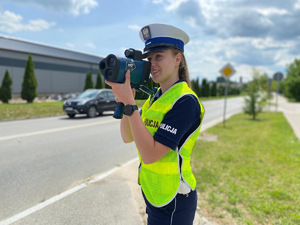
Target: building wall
x,y
54,75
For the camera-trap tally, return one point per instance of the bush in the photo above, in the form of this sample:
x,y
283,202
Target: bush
x,y
292,82
252,104
5,89
255,91
29,84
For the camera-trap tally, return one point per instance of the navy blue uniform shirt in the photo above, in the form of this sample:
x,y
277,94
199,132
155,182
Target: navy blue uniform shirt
x,y
178,123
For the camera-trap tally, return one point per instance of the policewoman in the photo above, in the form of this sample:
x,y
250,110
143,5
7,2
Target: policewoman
x,y
165,129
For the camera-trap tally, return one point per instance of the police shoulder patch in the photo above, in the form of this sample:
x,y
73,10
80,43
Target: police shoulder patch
x,y
151,123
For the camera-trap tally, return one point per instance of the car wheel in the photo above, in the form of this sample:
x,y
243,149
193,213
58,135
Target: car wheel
x,y
92,112
71,115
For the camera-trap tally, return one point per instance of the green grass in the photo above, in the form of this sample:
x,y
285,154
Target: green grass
x,y
30,110
251,174
41,109
36,109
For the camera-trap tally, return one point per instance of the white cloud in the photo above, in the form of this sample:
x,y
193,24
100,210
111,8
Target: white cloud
x,y
172,5
157,1
134,27
210,10
270,43
246,72
11,23
70,45
38,25
75,7
261,34
272,11
283,62
206,57
297,4
91,45
82,6
191,21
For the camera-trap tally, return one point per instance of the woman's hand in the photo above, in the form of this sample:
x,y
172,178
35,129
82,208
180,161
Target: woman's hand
x,y
133,127
123,92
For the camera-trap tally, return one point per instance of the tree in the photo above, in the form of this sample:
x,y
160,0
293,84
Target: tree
x,y
213,91
88,81
196,86
5,89
221,79
204,88
99,82
150,85
292,82
255,94
221,90
29,84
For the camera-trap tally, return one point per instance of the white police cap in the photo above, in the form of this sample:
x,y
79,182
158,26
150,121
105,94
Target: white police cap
x,y
162,36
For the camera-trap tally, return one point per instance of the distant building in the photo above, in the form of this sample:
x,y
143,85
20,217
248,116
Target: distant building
x,y
57,70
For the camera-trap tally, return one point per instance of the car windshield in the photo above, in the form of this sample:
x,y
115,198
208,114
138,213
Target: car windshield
x,y
88,94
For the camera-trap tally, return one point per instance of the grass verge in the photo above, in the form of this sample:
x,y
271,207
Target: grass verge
x,y
41,109
36,109
251,174
30,110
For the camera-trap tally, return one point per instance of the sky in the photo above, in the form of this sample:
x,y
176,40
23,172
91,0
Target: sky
x,y
264,34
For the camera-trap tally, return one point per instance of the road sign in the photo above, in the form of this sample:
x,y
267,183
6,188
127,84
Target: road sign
x,y
227,70
278,76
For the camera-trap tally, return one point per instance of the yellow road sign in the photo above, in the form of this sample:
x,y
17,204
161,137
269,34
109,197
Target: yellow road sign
x,y
227,70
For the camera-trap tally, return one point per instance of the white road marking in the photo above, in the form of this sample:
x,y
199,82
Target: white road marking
x,y
55,130
56,198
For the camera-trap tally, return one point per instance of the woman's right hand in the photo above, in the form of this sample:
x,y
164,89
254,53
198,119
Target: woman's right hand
x,y
123,92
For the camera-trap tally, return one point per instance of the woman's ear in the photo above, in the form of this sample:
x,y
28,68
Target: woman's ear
x,y
178,58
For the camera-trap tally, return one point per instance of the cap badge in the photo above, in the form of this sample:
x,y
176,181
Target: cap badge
x,y
146,33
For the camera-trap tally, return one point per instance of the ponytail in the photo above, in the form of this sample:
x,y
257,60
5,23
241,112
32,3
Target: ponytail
x,y
183,68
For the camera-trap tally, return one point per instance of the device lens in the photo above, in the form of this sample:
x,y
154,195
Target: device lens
x,y
108,75
111,62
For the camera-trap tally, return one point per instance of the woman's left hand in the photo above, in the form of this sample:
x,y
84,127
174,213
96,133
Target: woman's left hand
x,y
123,92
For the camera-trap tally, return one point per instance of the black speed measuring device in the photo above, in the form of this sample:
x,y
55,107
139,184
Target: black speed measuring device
x,y
113,69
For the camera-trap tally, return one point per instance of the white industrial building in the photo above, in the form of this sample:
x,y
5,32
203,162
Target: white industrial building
x,y
57,70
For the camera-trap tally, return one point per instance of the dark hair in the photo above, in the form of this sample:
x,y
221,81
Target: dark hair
x,y
183,68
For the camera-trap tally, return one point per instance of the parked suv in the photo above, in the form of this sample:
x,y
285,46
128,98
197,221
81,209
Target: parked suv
x,y
90,102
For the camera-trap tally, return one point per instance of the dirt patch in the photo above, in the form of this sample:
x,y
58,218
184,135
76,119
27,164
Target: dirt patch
x,y
207,137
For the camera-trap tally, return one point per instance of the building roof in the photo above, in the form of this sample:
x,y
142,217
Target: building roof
x,y
13,44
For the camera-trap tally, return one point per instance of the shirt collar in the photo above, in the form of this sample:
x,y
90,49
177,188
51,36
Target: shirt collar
x,y
159,93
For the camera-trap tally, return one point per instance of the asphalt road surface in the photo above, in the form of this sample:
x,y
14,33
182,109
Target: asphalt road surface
x,y
41,158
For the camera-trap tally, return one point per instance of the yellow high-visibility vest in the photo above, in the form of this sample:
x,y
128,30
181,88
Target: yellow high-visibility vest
x,y
160,180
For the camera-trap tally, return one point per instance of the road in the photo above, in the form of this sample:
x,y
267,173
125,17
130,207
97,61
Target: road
x,y
41,158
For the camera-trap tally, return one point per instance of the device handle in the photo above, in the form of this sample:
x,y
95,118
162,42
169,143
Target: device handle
x,y
118,114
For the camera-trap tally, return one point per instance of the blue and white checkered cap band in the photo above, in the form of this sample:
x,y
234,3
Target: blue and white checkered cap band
x,y
164,42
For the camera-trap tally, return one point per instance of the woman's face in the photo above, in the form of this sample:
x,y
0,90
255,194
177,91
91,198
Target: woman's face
x,y
164,65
